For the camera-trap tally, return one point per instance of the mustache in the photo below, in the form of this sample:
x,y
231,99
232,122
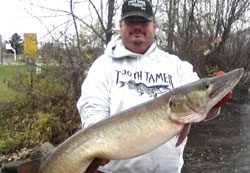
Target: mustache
x,y
137,31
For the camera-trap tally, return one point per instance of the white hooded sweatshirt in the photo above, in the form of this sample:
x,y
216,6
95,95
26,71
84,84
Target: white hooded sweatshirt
x,y
120,79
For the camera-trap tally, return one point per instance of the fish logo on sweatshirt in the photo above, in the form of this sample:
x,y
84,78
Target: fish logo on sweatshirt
x,y
141,88
145,82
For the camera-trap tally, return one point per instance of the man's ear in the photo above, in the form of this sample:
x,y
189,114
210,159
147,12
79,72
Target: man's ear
x,y
155,24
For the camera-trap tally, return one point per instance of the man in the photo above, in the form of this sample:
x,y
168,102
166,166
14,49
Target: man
x,y
131,71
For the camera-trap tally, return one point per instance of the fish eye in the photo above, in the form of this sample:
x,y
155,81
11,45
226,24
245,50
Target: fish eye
x,y
171,103
205,87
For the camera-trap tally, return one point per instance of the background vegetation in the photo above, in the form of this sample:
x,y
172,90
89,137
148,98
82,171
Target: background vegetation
x,y
38,106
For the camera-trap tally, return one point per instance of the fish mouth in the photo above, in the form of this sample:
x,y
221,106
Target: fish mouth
x,y
225,82
221,85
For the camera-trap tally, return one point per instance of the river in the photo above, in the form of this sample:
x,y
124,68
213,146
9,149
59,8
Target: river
x,y
221,145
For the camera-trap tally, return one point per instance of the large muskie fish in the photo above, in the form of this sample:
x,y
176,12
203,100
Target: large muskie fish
x,y
140,129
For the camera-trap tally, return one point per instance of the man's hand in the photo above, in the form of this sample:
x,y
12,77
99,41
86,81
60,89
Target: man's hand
x,y
227,97
95,164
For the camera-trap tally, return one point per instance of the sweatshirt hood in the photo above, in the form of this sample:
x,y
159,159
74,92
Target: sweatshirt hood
x,y
116,49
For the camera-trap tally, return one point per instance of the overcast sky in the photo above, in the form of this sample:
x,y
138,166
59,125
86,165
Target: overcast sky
x,y
17,16
14,19
20,16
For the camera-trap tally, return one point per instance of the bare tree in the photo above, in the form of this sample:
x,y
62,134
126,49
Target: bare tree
x,y
195,30
198,30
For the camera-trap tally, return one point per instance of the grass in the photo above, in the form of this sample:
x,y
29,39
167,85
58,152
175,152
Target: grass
x,y
6,74
30,115
11,117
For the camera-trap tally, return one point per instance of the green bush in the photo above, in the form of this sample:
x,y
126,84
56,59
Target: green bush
x,y
9,143
45,112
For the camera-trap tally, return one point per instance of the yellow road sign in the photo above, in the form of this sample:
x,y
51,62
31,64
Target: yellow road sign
x,y
30,44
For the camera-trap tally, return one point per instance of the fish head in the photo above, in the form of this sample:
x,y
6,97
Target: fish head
x,y
191,103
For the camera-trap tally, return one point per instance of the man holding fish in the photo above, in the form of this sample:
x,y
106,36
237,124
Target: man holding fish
x,y
131,71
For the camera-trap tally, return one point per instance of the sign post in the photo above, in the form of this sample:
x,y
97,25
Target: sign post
x,y
30,51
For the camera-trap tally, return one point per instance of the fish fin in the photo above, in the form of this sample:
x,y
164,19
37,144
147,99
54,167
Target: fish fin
x,y
122,84
30,167
25,166
183,134
213,113
92,168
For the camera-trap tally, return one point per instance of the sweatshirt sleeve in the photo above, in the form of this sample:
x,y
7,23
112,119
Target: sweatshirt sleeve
x,y
93,104
186,73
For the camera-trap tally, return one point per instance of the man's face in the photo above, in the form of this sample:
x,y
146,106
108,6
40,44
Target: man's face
x,y
137,33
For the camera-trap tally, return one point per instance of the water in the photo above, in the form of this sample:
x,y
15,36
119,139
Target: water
x,y
221,145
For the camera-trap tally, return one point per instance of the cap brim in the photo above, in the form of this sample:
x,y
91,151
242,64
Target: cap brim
x,y
136,13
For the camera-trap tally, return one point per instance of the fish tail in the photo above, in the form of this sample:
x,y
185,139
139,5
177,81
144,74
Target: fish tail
x,y
26,166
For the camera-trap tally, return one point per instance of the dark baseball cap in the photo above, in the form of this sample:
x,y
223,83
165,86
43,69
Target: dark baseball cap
x,y
142,8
